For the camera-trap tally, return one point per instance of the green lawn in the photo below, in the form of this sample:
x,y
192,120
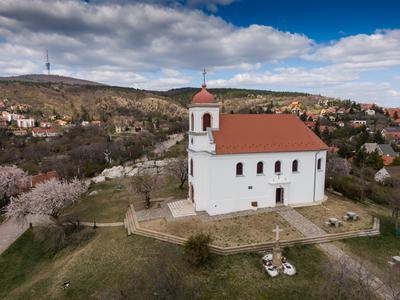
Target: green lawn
x,y
108,205
378,250
108,262
114,196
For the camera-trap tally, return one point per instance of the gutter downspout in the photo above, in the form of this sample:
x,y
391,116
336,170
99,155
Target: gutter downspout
x,y
315,173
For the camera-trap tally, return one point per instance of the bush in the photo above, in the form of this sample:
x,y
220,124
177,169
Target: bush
x,y
378,194
348,186
197,249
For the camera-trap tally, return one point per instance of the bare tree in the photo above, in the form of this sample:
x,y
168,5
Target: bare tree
x,y
178,168
395,202
345,280
144,184
336,166
48,198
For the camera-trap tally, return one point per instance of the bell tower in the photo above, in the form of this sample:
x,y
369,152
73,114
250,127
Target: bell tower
x,y
203,116
203,119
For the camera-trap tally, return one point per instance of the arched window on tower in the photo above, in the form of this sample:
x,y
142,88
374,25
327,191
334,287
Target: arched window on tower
x,y
239,169
260,167
191,167
206,121
192,122
319,164
295,166
277,166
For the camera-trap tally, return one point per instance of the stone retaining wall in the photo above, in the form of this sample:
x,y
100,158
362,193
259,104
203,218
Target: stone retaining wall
x,y
133,227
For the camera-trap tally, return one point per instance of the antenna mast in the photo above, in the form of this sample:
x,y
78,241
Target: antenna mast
x,y
47,62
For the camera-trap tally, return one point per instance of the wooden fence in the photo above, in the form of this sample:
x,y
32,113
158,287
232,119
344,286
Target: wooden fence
x,y
133,227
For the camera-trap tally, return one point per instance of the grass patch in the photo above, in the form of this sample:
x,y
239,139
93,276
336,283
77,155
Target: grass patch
x,y
108,262
28,259
377,250
170,188
337,207
2,218
109,204
233,231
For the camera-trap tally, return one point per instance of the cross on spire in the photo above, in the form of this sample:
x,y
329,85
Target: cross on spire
x,y
204,76
277,230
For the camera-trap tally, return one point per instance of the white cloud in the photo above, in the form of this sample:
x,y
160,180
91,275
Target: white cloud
x,y
362,52
138,37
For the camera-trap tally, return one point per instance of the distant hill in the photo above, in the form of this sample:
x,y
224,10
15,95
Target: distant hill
x,y
49,94
98,100
49,78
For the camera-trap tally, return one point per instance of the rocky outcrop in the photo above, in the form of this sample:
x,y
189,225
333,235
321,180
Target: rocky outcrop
x,y
151,167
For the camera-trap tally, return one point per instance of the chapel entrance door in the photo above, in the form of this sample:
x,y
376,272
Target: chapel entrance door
x,y
279,196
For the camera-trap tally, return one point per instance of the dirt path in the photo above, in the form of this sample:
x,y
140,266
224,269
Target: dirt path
x,y
171,141
336,254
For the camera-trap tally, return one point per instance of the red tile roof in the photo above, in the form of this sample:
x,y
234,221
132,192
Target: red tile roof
x,y
264,133
42,177
203,97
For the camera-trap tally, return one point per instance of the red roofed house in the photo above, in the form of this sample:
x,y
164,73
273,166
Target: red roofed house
x,y
42,177
241,162
393,112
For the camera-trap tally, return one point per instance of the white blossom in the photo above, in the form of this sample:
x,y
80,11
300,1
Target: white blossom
x,y
48,198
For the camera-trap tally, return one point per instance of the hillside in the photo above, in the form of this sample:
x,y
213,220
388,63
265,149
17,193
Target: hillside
x,y
49,79
100,100
51,98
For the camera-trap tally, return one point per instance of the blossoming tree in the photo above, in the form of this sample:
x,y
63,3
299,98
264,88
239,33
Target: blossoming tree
x,y
49,198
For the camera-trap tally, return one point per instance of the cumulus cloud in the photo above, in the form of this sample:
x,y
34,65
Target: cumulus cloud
x,y
328,81
138,37
155,45
362,52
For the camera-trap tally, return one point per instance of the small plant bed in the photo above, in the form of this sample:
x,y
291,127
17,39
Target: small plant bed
x,y
235,231
337,207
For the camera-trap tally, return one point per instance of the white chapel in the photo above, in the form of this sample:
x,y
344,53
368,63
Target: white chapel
x,y
241,162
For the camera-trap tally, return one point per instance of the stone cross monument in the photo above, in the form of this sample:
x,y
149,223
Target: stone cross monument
x,y
276,250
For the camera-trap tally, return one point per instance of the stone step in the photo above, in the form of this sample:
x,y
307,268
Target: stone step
x,y
181,208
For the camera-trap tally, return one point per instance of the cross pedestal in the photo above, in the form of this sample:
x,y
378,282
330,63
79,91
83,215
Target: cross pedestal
x,y
277,250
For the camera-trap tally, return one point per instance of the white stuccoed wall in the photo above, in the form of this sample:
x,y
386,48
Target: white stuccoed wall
x,y
218,190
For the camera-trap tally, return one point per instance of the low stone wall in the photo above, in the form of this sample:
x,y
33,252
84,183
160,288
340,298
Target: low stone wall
x,y
133,227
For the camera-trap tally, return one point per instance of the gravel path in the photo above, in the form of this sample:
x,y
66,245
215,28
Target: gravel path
x,y
171,141
309,229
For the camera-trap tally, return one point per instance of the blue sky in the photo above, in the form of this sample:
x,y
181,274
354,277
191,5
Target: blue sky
x,y
320,20
346,49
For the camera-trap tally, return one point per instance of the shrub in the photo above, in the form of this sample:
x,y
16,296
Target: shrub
x,y
197,249
378,194
348,186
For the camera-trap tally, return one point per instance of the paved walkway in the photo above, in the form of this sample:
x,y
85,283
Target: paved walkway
x,y
309,229
113,224
11,230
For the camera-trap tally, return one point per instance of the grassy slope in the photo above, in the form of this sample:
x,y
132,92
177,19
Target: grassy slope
x,y
109,259
113,198
377,250
109,205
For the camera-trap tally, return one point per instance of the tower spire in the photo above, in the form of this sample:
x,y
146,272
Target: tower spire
x,y
204,76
